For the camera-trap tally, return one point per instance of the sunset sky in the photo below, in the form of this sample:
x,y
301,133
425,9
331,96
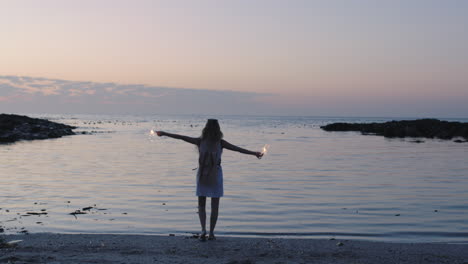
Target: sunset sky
x,y
348,57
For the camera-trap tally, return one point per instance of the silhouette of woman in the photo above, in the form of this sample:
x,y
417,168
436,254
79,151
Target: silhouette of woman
x,y
210,174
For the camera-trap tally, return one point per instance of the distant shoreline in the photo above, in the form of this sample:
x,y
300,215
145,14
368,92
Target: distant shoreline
x,y
45,247
207,115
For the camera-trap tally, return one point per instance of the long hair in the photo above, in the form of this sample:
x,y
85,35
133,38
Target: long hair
x,y
212,131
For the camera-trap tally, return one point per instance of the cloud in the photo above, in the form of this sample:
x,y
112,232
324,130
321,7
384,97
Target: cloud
x,y
31,85
20,94
31,94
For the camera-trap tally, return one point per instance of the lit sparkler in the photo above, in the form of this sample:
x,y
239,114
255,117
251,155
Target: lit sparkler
x,y
152,134
265,149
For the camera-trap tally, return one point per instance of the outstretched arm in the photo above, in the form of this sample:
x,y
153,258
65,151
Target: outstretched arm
x,y
191,140
232,147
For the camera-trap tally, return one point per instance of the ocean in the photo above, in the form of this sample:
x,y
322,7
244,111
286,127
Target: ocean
x,y
310,184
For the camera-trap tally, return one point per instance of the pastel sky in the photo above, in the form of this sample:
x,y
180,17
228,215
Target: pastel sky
x,y
340,57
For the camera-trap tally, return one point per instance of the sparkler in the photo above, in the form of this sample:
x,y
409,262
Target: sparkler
x,y
152,134
265,149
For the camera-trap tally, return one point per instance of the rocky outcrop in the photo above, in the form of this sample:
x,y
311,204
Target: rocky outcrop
x,y
16,127
425,128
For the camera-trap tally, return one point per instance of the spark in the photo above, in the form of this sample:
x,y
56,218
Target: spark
x,y
265,149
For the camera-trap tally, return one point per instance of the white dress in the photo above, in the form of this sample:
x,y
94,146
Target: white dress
x,y
214,191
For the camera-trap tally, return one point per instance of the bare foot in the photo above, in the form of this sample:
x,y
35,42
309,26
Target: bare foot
x,y
203,236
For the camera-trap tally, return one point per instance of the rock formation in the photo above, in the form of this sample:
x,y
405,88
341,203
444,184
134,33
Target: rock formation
x,y
16,127
424,128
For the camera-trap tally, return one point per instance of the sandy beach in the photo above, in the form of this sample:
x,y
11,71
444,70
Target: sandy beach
x,y
95,248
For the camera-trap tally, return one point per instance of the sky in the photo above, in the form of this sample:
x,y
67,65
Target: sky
x,y
268,57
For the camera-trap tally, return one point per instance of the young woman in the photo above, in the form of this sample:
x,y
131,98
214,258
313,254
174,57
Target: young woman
x,y
210,174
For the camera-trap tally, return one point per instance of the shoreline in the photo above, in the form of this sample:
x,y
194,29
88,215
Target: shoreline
x,y
102,248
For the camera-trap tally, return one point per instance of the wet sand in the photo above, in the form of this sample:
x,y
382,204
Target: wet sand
x,y
82,248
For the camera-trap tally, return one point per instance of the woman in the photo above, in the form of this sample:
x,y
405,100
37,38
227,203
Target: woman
x,y
210,174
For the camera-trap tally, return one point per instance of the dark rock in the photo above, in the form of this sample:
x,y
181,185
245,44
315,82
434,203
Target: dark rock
x,y
16,127
421,128
34,213
77,212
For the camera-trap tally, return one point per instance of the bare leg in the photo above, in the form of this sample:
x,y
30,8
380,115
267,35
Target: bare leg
x,y
214,215
202,212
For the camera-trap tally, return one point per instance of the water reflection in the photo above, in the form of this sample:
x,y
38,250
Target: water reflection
x,y
311,183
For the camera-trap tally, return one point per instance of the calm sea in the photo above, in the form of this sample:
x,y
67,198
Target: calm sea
x,y
311,183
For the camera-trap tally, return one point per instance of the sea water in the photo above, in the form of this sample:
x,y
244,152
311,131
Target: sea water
x,y
310,183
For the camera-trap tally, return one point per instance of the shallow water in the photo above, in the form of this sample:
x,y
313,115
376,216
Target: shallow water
x,y
311,183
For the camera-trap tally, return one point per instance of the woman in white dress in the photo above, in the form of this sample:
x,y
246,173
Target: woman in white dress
x,y
210,174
